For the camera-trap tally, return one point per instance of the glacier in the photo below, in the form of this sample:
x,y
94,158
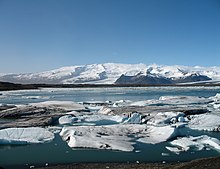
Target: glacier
x,y
108,73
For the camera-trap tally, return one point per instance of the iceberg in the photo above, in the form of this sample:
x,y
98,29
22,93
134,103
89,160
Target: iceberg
x,y
198,143
159,134
166,118
94,119
30,135
115,137
135,118
64,105
68,119
207,122
179,100
112,137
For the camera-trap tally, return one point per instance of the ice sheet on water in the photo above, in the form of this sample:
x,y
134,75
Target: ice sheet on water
x,y
65,105
208,122
25,135
116,137
112,137
198,143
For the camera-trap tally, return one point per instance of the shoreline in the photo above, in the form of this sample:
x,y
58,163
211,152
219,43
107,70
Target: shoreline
x,y
6,86
203,163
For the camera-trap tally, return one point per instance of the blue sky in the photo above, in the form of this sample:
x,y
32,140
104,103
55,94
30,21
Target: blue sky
x,y
38,35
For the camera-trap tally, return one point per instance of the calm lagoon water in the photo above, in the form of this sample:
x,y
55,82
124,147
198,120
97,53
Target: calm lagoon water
x,y
57,151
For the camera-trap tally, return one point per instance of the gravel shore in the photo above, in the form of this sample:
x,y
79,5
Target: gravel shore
x,y
207,163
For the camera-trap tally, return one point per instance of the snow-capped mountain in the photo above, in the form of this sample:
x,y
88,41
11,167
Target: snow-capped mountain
x,y
108,73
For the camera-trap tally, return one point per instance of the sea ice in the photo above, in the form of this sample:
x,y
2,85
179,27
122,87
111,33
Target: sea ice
x,y
25,135
65,105
159,134
113,137
135,118
208,122
198,143
68,119
167,118
179,100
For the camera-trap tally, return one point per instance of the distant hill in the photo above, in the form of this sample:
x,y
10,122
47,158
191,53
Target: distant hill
x,y
12,86
111,73
157,80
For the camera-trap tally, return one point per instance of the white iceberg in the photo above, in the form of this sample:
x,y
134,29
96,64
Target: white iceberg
x,y
116,137
65,105
113,137
106,110
198,143
166,118
67,119
159,134
25,135
179,100
207,122
135,118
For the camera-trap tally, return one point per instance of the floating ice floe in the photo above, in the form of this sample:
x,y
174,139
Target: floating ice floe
x,y
216,101
159,134
173,100
112,137
65,105
67,119
185,100
94,119
35,97
116,137
167,118
215,98
135,118
25,135
198,143
207,122
106,110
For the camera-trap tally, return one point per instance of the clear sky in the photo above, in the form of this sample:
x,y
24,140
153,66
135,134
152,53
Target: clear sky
x,y
38,35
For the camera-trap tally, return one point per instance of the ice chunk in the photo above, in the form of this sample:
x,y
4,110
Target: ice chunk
x,y
25,135
185,100
106,110
159,134
134,119
166,118
68,119
208,122
199,143
65,105
101,119
113,137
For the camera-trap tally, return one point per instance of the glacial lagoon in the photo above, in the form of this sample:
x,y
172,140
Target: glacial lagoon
x,y
57,151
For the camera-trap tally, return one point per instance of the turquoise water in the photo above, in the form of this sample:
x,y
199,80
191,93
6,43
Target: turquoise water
x,y
57,151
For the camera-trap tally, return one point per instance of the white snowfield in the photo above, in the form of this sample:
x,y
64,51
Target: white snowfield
x,y
30,135
108,73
